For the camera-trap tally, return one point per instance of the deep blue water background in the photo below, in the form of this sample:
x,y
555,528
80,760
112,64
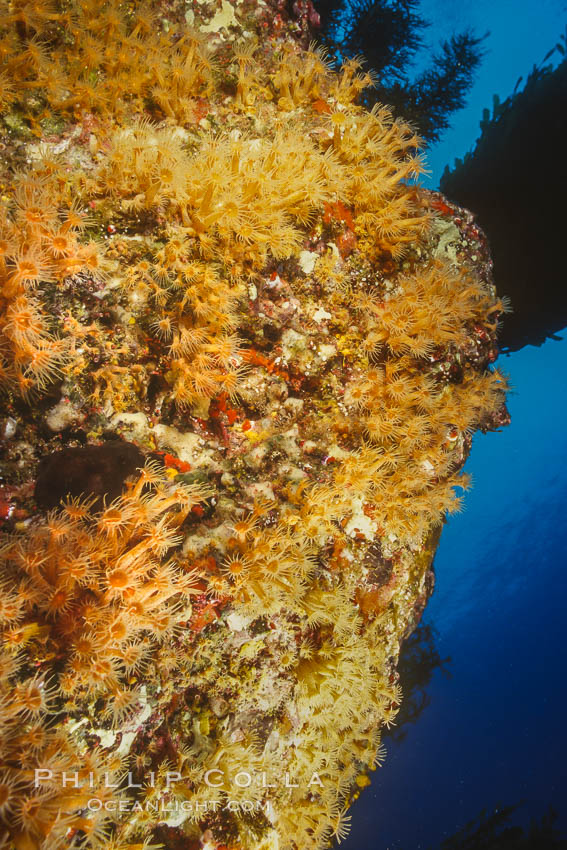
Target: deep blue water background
x,y
494,733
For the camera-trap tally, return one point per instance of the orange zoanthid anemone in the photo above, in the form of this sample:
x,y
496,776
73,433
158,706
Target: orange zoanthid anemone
x,y
209,248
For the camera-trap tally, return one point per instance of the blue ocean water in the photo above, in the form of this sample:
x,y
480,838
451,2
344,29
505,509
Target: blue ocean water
x,y
520,33
493,734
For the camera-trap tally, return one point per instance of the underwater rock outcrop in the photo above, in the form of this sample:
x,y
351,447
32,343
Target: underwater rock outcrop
x,y
516,192
211,251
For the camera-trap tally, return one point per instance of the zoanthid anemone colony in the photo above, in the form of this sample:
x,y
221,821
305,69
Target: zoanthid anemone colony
x,y
210,251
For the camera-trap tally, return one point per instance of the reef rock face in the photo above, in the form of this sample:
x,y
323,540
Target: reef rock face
x,y
517,194
211,252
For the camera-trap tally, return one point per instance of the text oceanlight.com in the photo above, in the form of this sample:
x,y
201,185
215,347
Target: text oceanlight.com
x,y
95,804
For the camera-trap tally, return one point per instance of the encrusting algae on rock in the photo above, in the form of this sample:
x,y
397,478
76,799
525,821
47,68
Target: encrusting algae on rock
x,y
210,252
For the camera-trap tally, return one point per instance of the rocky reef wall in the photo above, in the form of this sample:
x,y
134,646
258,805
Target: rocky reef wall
x,y
516,193
243,357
